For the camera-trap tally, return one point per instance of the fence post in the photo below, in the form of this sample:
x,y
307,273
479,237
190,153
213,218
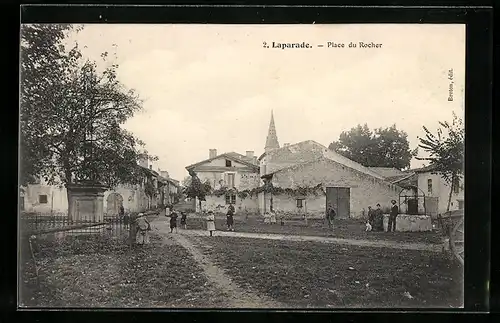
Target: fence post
x,y
132,230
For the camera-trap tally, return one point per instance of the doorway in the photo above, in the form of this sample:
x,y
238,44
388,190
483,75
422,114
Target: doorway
x,y
340,197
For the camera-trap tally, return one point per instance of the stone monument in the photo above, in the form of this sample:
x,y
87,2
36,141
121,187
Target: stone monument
x,y
86,201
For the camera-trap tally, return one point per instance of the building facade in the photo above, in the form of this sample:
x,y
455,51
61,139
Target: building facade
x,y
306,177
153,190
437,191
228,174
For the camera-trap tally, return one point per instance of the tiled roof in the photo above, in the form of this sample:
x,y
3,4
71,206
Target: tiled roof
x,y
386,171
231,155
424,169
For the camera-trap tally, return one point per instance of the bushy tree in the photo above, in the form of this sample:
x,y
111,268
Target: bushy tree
x,y
446,151
383,147
197,189
72,113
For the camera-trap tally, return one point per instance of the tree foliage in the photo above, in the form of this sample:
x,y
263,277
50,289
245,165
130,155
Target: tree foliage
x,y
196,188
446,151
72,113
383,147
186,182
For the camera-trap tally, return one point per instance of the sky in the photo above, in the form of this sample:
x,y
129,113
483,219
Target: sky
x,y
214,86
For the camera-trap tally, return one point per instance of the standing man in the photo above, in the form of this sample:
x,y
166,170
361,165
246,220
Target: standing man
x,y
392,217
330,214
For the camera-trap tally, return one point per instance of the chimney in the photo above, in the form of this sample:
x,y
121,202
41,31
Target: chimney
x,y
212,153
287,144
250,153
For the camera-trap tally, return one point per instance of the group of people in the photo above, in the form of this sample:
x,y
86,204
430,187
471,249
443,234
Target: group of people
x,y
376,218
170,212
210,218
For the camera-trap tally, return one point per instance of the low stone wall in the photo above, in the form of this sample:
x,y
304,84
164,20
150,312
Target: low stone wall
x,y
410,223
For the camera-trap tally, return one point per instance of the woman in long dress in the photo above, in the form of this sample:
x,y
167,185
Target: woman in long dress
x,y
210,222
229,218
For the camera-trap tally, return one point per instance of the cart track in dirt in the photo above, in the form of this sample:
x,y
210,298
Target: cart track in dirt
x,y
237,297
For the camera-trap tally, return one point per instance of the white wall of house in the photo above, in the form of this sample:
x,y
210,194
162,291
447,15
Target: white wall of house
x,y
45,199
220,176
441,190
218,204
365,190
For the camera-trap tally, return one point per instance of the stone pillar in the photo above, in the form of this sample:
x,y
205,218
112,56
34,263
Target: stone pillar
x,y
87,202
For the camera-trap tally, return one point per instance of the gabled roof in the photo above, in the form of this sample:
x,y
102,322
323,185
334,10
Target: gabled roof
x,y
386,171
328,154
322,158
399,178
424,169
234,156
298,165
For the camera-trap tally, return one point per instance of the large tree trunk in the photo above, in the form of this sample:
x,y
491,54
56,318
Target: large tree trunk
x,y
451,193
68,181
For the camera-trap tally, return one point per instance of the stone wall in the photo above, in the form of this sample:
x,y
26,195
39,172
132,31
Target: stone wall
x,y
410,223
313,206
218,204
134,199
365,190
57,199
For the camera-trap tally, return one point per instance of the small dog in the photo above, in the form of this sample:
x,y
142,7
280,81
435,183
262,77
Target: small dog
x,y
368,226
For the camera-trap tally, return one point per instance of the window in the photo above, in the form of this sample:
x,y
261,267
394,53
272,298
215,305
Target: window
x,y
230,198
228,163
42,199
230,180
460,204
456,186
299,203
429,186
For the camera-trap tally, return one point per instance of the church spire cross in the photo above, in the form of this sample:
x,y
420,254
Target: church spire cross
x,y
272,138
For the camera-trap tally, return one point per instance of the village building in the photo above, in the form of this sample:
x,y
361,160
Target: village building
x,y
307,176
152,191
437,191
426,192
229,175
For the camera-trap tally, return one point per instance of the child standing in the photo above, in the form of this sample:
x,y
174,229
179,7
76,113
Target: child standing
x,y
273,217
173,222
143,226
183,220
230,219
210,222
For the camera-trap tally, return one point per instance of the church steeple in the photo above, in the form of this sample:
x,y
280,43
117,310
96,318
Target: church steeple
x,y
272,138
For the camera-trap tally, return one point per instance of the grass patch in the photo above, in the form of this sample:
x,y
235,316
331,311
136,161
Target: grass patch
x,y
308,274
347,229
103,271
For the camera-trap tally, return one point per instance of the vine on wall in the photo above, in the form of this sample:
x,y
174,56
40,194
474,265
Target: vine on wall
x,y
269,188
